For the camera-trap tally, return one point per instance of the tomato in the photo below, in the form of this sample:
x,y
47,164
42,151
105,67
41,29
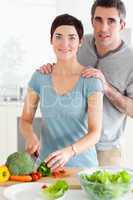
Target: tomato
x,y
59,173
56,174
36,176
39,174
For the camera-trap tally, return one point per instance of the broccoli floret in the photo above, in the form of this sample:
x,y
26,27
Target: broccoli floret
x,y
20,163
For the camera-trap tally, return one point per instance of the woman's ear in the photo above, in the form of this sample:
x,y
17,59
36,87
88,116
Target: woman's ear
x,y
81,42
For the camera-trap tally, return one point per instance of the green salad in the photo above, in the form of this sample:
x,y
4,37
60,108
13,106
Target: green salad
x,y
105,185
55,190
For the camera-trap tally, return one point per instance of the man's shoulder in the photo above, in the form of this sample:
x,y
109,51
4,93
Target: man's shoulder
x,y
128,49
87,43
88,38
86,53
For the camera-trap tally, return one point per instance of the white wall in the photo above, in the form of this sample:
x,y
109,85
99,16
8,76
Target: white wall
x,y
80,9
24,38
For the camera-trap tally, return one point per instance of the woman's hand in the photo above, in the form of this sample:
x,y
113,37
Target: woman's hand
x,y
32,144
59,158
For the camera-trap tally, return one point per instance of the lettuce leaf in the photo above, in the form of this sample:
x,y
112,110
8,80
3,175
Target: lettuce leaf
x,y
55,190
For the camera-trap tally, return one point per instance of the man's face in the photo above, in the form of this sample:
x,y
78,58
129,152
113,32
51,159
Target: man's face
x,y
107,26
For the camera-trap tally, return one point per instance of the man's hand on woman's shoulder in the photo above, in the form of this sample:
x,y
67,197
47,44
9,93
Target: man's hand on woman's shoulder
x,y
46,68
92,72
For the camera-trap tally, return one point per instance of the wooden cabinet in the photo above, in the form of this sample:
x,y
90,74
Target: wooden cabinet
x,y
128,143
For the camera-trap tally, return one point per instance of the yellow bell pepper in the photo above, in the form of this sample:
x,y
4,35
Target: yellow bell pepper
x,y
4,174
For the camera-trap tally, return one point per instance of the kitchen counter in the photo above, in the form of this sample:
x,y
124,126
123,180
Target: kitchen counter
x,y
1,193
70,176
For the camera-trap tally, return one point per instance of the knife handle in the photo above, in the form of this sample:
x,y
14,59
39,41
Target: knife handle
x,y
36,154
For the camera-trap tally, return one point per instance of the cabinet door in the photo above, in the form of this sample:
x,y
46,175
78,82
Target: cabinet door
x,y
37,129
12,113
128,143
15,140
3,134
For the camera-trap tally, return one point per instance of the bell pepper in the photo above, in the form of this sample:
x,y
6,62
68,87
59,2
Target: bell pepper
x,y
44,170
4,174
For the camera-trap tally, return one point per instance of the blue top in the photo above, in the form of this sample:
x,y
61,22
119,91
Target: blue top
x,y
65,117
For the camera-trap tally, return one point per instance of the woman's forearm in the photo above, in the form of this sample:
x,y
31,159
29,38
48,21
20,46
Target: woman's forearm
x,y
26,128
86,142
95,109
32,143
28,113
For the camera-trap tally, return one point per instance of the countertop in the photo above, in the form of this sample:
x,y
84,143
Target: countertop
x,y
70,176
1,193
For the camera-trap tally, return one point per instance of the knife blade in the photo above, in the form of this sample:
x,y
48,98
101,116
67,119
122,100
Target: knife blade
x,y
37,162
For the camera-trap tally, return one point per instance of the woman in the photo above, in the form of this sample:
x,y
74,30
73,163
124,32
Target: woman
x,y
71,106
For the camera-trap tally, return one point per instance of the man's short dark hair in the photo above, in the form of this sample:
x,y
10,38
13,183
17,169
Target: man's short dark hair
x,y
67,19
118,4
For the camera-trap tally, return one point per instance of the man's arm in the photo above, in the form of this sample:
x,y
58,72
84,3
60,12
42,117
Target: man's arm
x,y
123,103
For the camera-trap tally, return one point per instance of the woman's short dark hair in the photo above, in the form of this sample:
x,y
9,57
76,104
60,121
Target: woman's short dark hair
x,y
67,19
118,4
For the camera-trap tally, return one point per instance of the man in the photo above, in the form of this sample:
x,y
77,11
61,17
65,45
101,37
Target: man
x,y
111,61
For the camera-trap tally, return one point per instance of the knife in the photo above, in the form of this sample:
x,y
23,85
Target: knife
x,y
37,159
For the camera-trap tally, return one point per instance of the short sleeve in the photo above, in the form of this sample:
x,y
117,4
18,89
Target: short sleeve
x,y
34,82
93,85
129,90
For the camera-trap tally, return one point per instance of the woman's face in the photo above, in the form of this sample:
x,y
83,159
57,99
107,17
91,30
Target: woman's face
x,y
65,42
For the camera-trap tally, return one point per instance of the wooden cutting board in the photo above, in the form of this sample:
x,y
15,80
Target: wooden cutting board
x,y
70,177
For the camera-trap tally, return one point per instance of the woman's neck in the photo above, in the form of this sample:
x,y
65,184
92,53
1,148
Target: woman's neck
x,y
67,67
